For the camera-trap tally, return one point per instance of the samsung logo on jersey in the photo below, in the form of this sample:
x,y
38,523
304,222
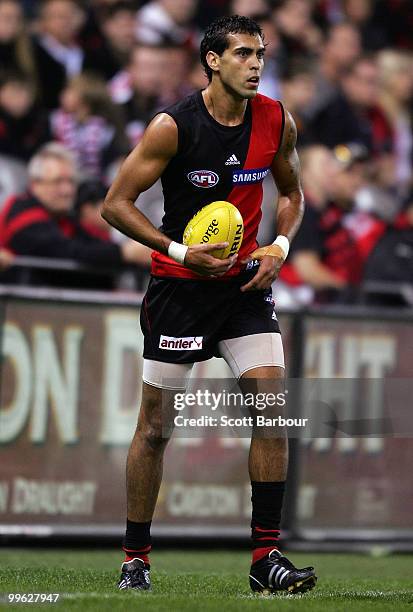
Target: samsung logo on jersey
x,y
203,178
247,177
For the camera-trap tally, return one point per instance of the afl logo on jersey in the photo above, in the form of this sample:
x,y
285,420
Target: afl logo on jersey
x,y
203,178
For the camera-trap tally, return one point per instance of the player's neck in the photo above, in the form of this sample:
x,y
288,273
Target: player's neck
x,y
224,107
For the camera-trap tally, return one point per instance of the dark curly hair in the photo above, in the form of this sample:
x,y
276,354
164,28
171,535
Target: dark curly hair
x,y
216,36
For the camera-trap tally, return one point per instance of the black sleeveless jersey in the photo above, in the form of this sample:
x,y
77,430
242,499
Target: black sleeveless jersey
x,y
217,162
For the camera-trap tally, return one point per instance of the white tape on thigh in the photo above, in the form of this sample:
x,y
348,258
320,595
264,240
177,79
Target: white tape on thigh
x,y
248,352
166,375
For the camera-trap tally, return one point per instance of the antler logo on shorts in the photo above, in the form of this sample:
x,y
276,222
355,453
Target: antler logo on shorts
x,y
203,178
190,343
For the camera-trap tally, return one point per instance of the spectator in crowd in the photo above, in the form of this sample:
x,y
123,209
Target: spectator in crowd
x,y
139,89
88,208
23,126
361,13
324,254
196,77
397,15
307,262
315,64
299,35
396,98
15,44
270,81
175,75
249,8
391,261
112,48
13,177
341,48
40,223
57,53
297,92
353,115
89,124
327,12
168,21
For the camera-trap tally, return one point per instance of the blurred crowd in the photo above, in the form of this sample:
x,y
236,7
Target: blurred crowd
x,y
79,81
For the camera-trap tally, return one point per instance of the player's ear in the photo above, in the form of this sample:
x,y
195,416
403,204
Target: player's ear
x,y
212,59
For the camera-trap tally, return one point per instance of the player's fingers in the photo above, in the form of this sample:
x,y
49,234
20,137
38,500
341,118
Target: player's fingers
x,y
253,284
248,287
262,280
226,270
223,265
233,260
206,248
220,271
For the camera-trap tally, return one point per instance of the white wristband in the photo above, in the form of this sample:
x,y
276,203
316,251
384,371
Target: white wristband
x,y
177,252
283,243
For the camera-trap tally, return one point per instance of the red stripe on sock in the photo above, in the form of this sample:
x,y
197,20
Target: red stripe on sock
x,y
269,530
259,553
138,550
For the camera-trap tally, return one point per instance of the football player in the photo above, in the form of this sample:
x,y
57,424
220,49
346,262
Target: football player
x,y
202,305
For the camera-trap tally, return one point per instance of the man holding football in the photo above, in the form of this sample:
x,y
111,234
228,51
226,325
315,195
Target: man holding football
x,y
235,136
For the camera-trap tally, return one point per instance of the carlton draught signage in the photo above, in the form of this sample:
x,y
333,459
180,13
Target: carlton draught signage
x,y
358,476
69,396
71,376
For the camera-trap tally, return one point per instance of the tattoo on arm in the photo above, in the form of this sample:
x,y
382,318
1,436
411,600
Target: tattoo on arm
x,y
286,166
290,141
286,173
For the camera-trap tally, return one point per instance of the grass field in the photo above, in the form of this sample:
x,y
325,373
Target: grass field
x,y
203,581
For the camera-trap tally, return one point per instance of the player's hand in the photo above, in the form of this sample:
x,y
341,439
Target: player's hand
x,y
199,259
269,269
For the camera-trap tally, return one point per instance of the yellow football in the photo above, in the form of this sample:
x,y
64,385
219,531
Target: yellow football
x,y
216,222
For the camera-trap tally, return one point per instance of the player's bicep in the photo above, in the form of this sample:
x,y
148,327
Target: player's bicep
x,y
146,163
286,165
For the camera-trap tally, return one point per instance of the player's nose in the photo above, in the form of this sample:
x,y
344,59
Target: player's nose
x,y
255,67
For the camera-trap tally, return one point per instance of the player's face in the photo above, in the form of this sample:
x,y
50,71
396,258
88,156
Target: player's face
x,y
241,65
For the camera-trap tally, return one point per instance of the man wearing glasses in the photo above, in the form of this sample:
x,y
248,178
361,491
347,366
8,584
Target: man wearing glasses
x,y
40,222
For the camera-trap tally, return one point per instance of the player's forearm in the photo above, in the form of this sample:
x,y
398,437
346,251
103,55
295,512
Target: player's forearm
x,y
125,217
290,213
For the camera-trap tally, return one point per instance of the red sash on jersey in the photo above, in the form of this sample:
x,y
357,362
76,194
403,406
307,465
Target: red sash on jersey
x,y
265,139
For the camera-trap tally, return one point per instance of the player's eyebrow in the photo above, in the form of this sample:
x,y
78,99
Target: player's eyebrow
x,y
251,49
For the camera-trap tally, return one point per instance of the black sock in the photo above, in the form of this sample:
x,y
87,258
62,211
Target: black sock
x,y
137,540
267,501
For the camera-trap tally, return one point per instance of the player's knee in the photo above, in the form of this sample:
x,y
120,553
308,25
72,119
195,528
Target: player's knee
x,y
154,434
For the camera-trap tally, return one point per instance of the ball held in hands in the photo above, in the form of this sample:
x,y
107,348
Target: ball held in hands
x,y
216,223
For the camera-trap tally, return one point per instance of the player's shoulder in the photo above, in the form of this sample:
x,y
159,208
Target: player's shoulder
x,y
185,114
269,114
186,105
264,102
269,120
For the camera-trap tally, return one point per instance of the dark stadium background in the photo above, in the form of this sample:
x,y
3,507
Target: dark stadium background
x,y
69,333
